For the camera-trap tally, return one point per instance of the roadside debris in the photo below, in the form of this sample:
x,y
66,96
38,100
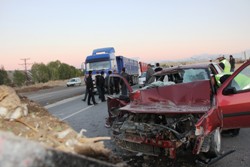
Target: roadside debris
x,y
27,119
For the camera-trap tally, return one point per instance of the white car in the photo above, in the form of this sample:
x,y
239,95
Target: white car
x,y
142,80
74,81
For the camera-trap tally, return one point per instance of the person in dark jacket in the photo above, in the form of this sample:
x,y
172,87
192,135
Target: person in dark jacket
x,y
102,86
98,84
109,84
149,75
232,63
116,83
123,86
157,69
90,87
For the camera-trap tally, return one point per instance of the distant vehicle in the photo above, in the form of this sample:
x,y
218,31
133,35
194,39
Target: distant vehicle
x,y
74,81
142,80
184,111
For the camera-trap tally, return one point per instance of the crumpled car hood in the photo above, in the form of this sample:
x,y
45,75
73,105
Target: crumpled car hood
x,y
161,108
192,97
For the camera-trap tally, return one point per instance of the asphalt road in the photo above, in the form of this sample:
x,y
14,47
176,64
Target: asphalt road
x,y
92,118
52,95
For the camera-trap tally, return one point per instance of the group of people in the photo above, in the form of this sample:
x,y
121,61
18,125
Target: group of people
x,y
116,85
112,85
150,73
227,66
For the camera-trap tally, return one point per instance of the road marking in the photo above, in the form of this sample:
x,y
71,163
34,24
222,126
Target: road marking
x,y
62,102
77,112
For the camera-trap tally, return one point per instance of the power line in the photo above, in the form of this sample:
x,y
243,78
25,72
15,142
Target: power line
x,y
25,64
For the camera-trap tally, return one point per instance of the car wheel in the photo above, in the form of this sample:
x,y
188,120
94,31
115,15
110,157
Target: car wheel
x,y
215,144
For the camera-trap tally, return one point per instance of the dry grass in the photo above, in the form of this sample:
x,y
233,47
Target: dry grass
x,y
39,86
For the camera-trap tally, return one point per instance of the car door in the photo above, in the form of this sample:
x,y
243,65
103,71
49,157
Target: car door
x,y
233,99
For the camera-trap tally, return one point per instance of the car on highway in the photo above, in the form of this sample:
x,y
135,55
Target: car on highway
x,y
74,82
185,111
142,79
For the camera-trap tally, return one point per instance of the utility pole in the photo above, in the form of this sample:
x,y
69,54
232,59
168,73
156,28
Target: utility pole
x,y
245,55
25,67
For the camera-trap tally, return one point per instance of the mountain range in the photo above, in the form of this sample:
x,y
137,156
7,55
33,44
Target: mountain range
x,y
206,57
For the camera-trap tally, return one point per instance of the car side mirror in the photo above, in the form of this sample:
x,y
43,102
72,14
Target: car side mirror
x,y
229,91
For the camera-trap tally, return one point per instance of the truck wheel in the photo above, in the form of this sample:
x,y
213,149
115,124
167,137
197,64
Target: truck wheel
x,y
215,144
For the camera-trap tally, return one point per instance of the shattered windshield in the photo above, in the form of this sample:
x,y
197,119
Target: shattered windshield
x,y
181,76
190,75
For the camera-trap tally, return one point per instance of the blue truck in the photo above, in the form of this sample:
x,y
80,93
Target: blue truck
x,y
104,59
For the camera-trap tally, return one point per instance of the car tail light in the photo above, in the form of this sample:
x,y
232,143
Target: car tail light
x,y
135,96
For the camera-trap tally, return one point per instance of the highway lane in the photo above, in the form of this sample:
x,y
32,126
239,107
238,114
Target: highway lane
x,y
52,95
81,116
92,118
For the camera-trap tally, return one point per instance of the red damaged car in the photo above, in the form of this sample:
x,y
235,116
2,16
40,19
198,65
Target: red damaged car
x,y
185,110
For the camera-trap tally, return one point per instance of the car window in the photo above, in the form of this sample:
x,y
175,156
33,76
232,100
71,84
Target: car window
x,y
241,81
215,69
191,75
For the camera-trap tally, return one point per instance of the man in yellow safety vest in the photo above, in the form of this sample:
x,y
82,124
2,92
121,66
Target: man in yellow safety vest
x,y
224,64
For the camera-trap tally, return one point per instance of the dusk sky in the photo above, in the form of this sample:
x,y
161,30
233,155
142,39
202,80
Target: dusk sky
x,y
151,30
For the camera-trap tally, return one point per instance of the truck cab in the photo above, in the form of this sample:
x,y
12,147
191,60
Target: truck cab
x,y
102,59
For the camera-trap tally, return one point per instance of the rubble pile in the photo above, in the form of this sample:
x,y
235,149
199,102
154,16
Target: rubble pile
x,y
29,120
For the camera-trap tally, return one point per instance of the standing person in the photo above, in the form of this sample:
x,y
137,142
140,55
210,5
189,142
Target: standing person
x,y
123,86
102,86
224,64
149,75
86,90
232,63
90,87
97,83
116,83
157,69
109,83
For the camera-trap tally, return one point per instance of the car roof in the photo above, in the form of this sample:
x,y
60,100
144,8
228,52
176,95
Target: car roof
x,y
175,69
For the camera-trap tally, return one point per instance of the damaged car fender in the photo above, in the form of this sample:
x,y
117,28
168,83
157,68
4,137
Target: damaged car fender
x,y
208,130
209,122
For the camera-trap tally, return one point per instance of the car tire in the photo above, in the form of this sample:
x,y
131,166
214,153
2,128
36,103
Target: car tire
x,y
215,144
